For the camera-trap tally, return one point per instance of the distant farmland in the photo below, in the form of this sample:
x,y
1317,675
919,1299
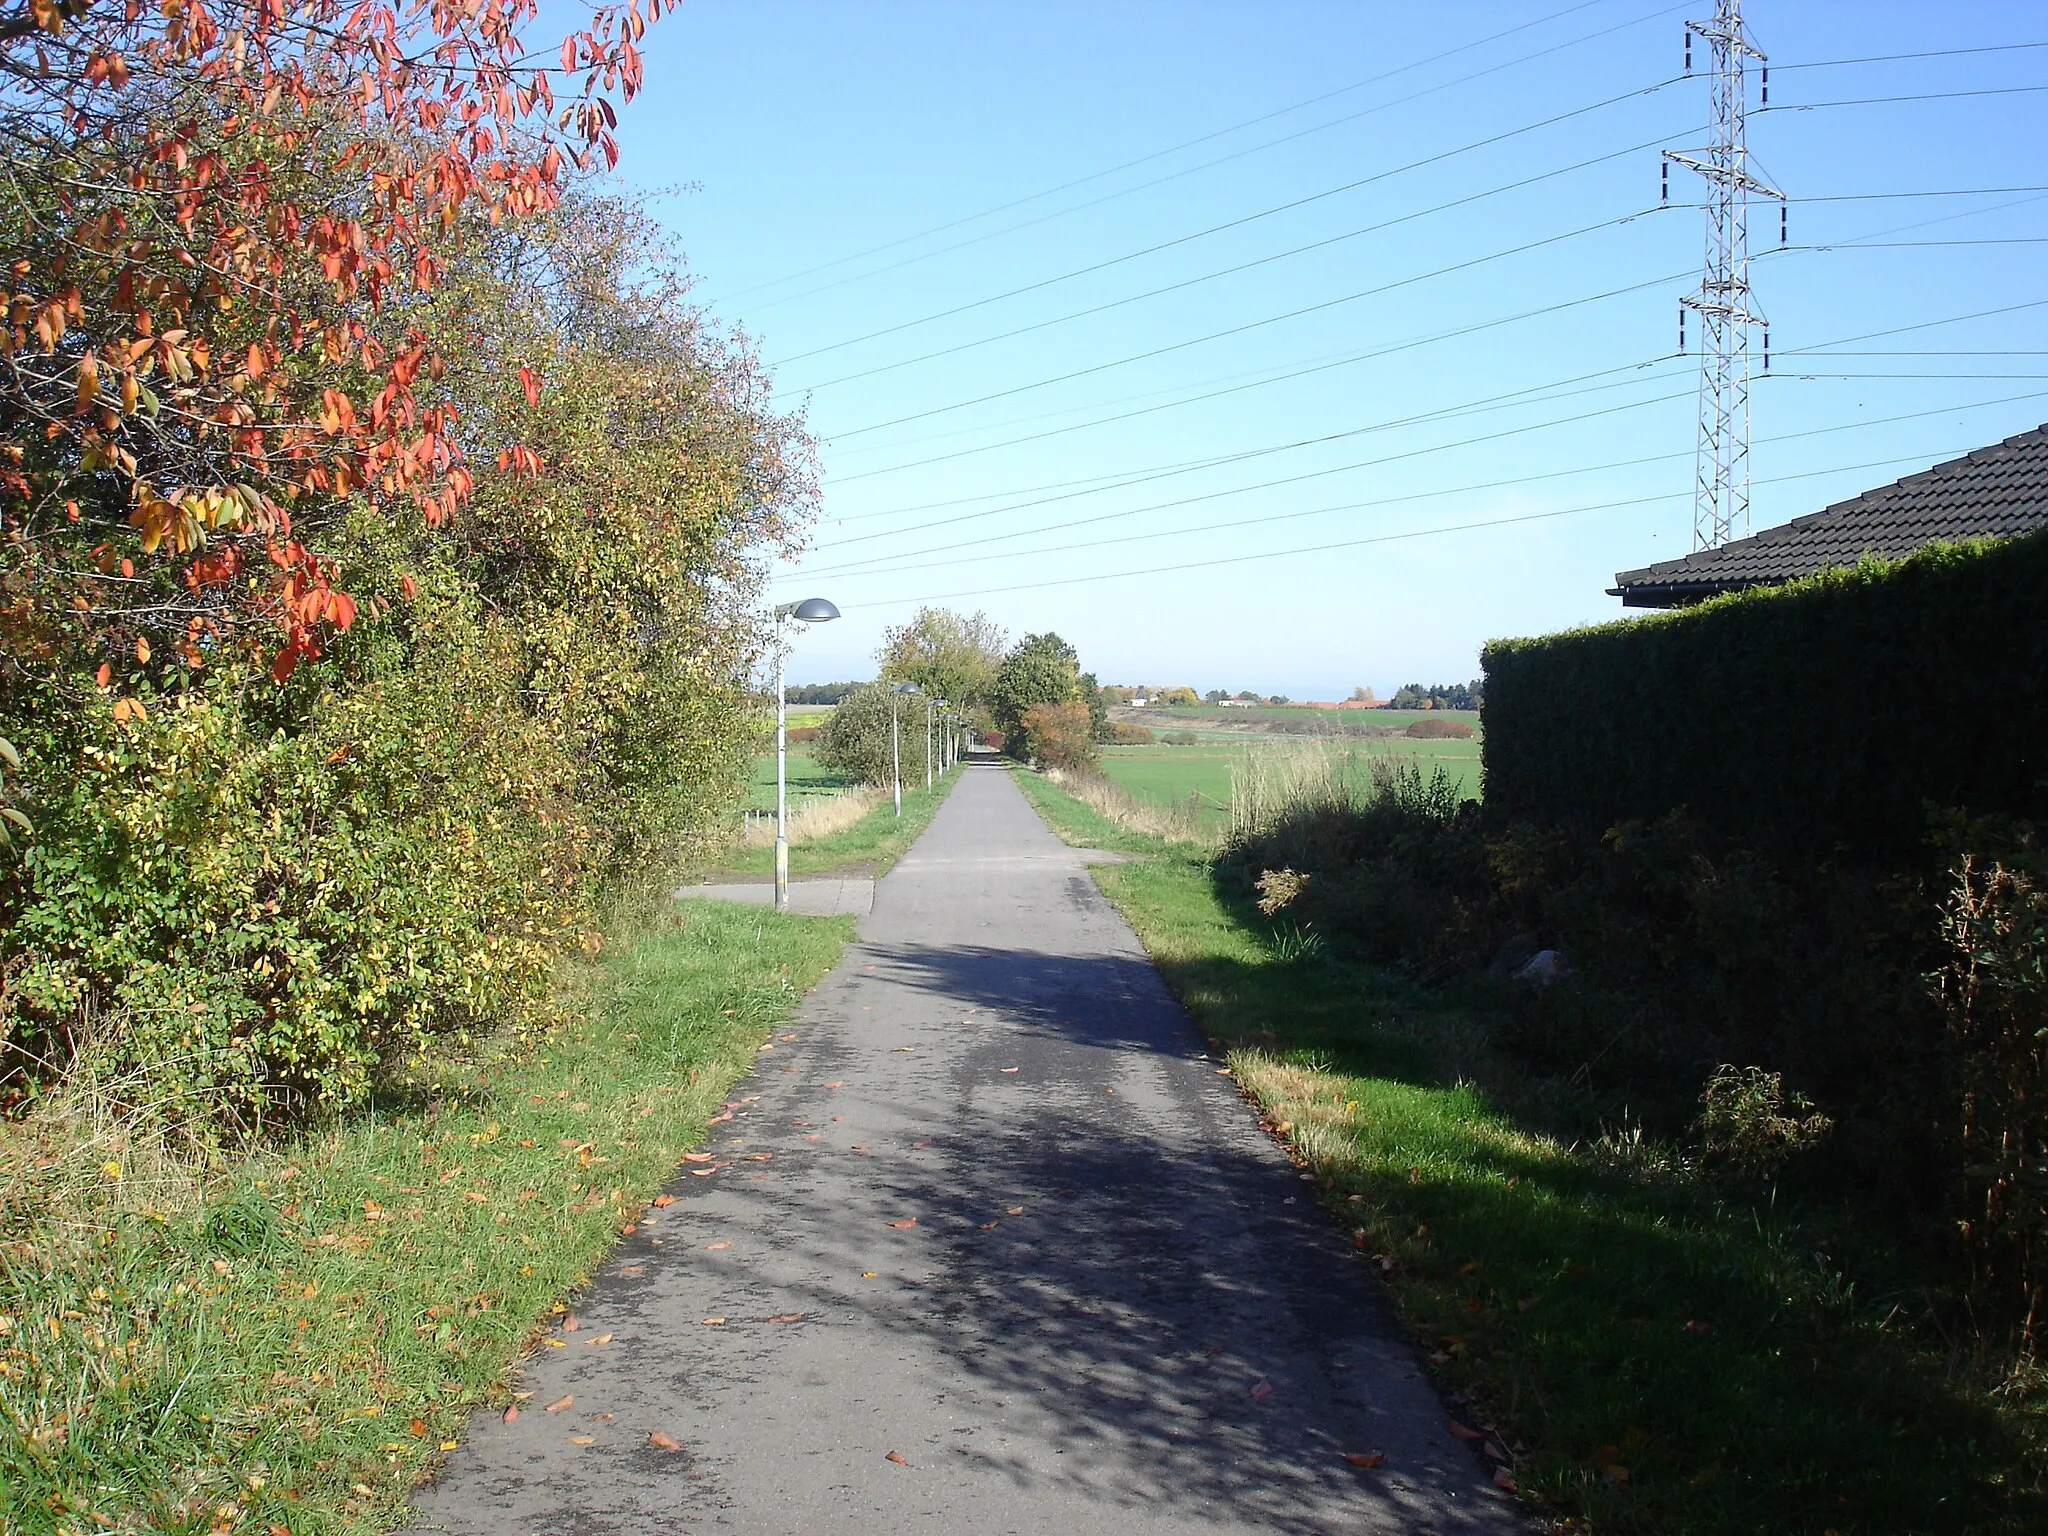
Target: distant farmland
x,y
1164,772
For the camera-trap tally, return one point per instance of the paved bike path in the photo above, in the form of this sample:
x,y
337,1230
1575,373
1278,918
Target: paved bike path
x,y
1118,1310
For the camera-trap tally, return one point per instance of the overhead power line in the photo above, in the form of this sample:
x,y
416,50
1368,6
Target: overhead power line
x,y
881,565
1096,486
1231,271
1250,325
1500,522
1325,364
1238,490
1265,213
1188,170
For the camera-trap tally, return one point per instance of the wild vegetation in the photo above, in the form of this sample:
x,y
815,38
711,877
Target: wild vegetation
x,y
381,526
1682,1332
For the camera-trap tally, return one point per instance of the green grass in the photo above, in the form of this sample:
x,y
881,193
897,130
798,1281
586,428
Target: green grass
x,y
1173,773
1664,1357
868,847
295,1351
804,776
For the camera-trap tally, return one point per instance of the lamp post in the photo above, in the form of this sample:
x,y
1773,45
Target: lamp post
x,y
812,610
896,739
931,708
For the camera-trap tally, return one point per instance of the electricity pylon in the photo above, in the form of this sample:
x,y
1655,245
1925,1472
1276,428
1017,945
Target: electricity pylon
x,y
1727,310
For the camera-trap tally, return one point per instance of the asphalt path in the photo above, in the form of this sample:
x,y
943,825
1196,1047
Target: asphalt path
x,y
990,1246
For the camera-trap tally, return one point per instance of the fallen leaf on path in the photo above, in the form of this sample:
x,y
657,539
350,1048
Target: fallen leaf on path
x,y
712,1322
1009,1069
925,1143
628,1229
787,1317
898,1459
664,1442
789,1037
867,1274
1262,1388
602,1338
1364,1458
697,1157
583,1439
990,1226
908,1221
416,1427
569,1323
1015,1210
629,1269
1503,1478
1462,1432
662,1201
554,1344
510,1414
568,1400
714,1247
602,1417
835,1085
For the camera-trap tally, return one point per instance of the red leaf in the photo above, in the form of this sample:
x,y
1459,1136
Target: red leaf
x,y
908,1221
1364,1458
897,1458
664,1442
568,1400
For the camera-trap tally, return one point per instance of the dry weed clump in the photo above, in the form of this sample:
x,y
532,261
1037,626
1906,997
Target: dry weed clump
x,y
1177,821
817,819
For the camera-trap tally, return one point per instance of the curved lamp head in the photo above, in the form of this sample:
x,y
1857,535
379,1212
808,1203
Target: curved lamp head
x,y
906,688
812,610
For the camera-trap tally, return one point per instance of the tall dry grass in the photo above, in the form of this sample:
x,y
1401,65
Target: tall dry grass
x,y
813,820
1176,821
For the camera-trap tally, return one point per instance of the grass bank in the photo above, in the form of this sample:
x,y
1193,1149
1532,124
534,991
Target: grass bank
x,y
288,1342
1657,1355
868,847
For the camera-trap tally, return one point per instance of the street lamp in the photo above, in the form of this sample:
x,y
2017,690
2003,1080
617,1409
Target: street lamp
x,y
812,610
896,740
931,706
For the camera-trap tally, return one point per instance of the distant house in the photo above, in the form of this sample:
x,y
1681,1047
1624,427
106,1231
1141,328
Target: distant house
x,y
1140,700
1994,493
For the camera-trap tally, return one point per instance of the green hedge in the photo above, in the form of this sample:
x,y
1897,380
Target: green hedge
x,y
1828,714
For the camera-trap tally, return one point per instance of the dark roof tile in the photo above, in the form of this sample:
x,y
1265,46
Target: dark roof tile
x,y
1995,492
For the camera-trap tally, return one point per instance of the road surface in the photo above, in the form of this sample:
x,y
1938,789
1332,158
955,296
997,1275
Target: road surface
x,y
991,1247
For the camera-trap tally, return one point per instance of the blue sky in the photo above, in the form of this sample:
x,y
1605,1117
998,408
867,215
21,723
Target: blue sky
x,y
834,171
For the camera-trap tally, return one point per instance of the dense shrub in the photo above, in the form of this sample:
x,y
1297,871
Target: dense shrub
x,y
1058,736
1439,730
1181,739
1395,866
795,735
1121,734
249,895
857,742
1829,713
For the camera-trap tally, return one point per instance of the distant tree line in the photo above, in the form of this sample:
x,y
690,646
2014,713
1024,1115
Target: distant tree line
x,y
818,693
1439,696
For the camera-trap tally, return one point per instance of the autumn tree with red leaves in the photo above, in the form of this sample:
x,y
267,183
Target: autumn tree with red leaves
x,y
382,533
219,234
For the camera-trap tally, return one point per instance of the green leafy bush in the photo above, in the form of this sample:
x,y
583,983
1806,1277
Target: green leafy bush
x,y
256,896
857,740
1121,734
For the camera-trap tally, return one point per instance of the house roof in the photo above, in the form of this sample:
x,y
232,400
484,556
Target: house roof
x,y
1995,492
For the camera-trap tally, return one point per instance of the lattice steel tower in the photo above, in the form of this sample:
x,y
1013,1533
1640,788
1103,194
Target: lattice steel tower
x,y
1727,311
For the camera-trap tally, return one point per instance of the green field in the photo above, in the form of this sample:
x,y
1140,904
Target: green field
x,y
805,778
1173,773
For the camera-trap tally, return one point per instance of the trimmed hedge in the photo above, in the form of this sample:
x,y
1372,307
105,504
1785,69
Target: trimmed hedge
x,y
1827,714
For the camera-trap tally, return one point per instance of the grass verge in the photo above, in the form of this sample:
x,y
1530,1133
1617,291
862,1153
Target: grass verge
x,y
1661,1356
292,1349
868,847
